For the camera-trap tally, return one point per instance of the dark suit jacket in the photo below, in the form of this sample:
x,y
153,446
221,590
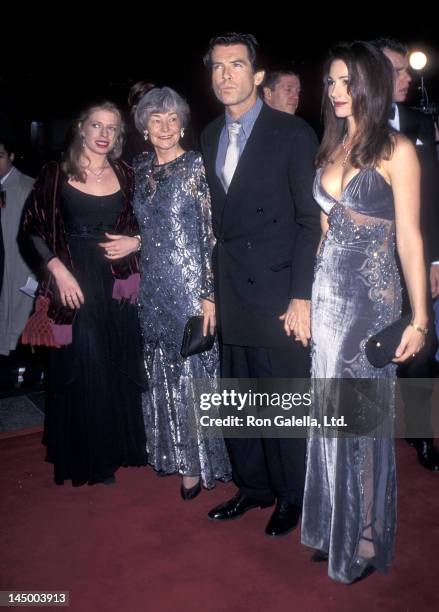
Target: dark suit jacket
x,y
267,227
418,126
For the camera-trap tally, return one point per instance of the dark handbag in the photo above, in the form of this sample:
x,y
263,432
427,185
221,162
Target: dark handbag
x,y
380,348
193,340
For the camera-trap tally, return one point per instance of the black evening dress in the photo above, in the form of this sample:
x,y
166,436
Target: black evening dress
x,y
94,422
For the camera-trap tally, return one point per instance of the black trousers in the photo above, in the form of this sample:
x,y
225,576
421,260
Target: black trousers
x,y
264,468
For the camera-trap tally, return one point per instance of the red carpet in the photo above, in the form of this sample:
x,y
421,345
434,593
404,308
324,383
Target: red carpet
x,y
137,546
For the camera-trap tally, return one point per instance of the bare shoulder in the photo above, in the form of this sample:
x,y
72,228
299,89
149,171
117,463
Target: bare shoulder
x,y
404,149
403,157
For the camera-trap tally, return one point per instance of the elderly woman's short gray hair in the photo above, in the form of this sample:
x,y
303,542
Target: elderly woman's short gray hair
x,y
160,100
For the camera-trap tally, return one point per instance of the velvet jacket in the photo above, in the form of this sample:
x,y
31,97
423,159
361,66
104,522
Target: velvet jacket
x,y
42,217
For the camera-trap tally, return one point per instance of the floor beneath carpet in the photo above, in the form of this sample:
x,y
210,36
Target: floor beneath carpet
x,y
137,547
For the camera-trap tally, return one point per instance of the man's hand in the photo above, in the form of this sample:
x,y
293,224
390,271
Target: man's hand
x,y
297,320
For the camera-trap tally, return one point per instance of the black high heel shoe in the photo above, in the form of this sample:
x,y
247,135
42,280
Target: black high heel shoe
x,y
367,570
365,566
188,494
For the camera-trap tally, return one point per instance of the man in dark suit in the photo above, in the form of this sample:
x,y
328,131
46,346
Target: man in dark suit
x,y
418,374
260,169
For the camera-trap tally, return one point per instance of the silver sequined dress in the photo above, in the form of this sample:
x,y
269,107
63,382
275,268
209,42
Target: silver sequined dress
x,y
350,487
172,205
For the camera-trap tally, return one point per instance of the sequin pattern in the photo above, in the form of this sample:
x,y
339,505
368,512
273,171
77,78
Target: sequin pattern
x,y
356,292
172,205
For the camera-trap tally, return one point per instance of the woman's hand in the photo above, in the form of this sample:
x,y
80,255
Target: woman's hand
x,y
119,246
412,341
209,322
69,290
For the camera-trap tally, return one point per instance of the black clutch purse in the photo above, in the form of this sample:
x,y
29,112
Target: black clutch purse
x,y
380,348
193,340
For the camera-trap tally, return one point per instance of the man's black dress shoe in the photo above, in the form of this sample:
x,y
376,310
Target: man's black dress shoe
x,y
236,507
284,519
428,456
192,492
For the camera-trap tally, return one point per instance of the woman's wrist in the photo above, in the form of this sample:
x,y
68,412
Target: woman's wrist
x,y
420,324
54,264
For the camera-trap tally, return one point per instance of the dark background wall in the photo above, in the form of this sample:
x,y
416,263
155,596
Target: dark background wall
x,y
60,71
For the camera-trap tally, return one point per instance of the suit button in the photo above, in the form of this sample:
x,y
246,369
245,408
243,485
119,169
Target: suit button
x,y
249,245
222,241
250,281
259,210
274,220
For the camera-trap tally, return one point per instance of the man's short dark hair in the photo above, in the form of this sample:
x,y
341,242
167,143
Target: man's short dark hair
x,y
234,38
391,43
272,77
8,145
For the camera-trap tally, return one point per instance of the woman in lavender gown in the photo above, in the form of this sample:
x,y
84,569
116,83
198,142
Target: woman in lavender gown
x,y
367,185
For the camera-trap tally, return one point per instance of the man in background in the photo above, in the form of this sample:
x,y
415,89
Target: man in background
x,y
418,374
282,90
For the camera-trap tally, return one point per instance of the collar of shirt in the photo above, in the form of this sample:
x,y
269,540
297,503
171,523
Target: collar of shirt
x,y
395,121
247,120
5,177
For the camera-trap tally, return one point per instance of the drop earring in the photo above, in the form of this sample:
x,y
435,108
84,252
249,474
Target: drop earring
x,y
145,134
182,132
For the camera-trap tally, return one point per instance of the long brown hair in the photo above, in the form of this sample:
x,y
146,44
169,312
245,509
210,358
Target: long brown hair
x,y
70,163
371,87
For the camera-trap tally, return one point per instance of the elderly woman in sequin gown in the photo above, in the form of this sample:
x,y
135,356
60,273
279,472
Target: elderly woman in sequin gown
x,y
367,185
172,204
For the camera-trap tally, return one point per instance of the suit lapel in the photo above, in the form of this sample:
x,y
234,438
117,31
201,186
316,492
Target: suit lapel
x,y
407,123
252,158
212,151
253,153
12,182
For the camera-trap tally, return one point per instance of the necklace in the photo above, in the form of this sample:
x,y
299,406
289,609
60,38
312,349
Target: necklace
x,y
346,149
97,174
